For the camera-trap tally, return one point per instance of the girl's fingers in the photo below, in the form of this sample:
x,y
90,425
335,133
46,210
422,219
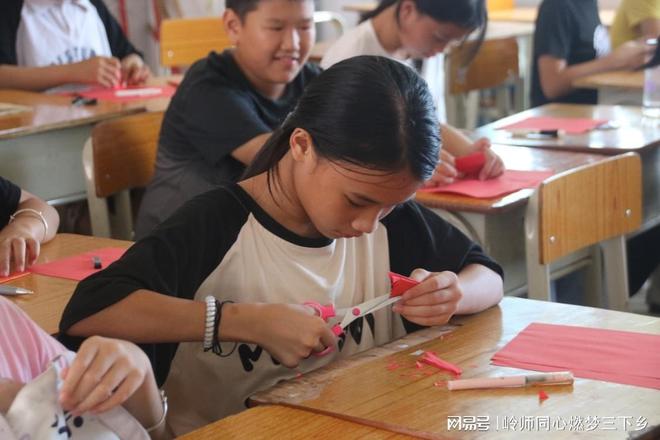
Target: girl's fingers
x,y
33,249
126,389
432,283
103,390
18,250
84,374
426,311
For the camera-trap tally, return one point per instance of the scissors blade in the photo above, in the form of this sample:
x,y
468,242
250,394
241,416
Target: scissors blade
x,y
367,307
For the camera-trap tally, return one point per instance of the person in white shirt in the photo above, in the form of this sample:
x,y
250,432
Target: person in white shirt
x,y
50,43
422,29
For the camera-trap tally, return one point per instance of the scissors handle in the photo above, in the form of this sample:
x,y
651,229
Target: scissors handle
x,y
325,313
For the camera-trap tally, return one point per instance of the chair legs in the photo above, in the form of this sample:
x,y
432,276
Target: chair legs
x,y
615,271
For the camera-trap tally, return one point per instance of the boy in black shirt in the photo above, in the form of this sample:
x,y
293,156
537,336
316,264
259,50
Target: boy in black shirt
x,y
228,103
570,42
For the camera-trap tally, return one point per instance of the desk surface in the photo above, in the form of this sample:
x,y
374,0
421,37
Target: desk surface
x,y
275,421
626,80
52,294
634,133
515,158
49,112
366,389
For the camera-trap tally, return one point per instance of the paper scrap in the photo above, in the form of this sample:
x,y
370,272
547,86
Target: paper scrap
x,y
433,360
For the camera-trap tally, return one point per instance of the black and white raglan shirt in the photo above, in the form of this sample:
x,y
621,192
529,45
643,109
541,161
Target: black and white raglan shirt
x,y
222,243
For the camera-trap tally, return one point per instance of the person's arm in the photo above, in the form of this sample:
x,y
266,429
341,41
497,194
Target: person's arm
x,y
105,71
20,240
557,77
8,391
246,152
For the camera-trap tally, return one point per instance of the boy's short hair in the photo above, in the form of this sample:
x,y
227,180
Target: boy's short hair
x,y
242,7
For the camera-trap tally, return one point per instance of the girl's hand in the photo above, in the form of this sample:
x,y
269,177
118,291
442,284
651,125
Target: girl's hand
x,y
445,172
290,333
103,375
494,165
133,70
18,245
105,71
433,301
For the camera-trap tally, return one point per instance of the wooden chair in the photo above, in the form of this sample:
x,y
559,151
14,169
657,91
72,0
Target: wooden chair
x,y
186,40
495,65
119,155
594,205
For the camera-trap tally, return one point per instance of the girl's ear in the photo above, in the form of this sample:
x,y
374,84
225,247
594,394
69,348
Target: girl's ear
x,y
300,144
233,26
407,10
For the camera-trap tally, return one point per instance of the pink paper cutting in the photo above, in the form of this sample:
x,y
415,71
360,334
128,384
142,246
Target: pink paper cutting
x,y
127,94
568,125
78,267
14,276
510,181
542,395
609,355
433,360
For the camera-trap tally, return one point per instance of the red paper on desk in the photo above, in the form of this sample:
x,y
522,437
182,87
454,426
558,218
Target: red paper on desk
x,y
128,94
568,125
510,181
78,267
14,276
609,355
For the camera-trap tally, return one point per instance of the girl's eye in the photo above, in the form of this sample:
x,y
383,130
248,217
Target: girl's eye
x,y
353,203
276,29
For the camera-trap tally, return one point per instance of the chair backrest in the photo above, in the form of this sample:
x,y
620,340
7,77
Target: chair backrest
x,y
588,210
497,5
495,64
120,155
589,205
186,40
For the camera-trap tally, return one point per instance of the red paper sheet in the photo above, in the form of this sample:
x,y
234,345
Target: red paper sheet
x,y
78,267
609,355
510,181
128,94
14,276
569,125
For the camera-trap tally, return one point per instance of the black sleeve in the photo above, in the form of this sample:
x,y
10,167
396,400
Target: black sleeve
x,y
174,260
419,238
220,119
10,196
554,29
119,44
10,17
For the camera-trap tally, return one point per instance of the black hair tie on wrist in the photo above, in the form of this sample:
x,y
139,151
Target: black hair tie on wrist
x,y
217,348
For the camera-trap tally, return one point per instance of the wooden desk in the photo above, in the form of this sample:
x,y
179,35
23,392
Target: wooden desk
x,y
615,88
41,150
635,134
52,294
364,389
275,421
498,224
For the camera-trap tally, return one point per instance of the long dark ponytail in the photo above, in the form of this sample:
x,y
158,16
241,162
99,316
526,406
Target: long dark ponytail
x,y
368,111
468,14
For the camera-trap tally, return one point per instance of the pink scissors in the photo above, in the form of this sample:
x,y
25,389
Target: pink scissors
x,y
399,283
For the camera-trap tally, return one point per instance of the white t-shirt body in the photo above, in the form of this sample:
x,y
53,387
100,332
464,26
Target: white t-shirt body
x,y
54,32
362,40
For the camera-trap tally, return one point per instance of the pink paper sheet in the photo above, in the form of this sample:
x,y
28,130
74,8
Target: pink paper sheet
x,y
609,355
128,94
14,276
510,181
78,267
569,125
